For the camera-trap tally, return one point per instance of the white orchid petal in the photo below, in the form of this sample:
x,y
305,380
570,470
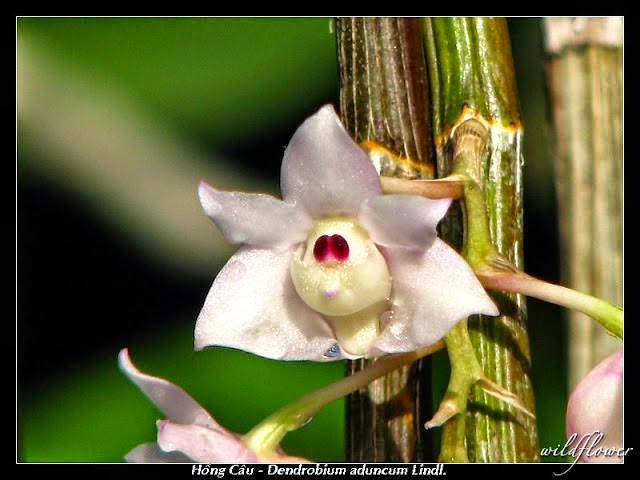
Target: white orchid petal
x,y
172,400
253,306
595,405
255,219
152,453
432,291
203,444
324,170
403,220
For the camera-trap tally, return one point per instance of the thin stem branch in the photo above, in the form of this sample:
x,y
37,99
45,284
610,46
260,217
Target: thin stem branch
x,y
267,435
608,315
495,271
450,187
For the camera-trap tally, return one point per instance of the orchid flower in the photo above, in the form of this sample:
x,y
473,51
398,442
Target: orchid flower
x,y
335,269
594,412
189,434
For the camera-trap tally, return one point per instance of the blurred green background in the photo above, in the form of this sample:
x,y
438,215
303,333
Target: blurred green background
x,y
118,119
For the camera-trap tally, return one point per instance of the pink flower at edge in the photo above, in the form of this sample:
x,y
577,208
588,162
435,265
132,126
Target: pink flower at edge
x,y
594,411
189,434
335,269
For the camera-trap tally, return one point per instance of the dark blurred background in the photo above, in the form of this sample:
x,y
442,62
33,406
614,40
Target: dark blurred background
x,y
118,119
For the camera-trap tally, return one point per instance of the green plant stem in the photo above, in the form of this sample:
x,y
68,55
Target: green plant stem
x,y
471,77
464,370
465,373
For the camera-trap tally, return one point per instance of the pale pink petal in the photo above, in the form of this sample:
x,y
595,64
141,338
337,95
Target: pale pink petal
x,y
203,444
255,219
193,435
152,453
595,405
403,220
432,291
173,401
253,306
324,170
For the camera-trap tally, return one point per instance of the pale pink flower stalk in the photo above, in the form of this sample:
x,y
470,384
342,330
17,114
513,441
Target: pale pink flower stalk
x,y
189,433
335,269
594,413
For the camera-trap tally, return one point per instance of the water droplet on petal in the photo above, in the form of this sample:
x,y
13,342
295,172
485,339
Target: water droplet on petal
x,y
333,352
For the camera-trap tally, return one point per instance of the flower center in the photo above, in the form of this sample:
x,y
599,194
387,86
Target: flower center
x,y
341,274
328,248
340,271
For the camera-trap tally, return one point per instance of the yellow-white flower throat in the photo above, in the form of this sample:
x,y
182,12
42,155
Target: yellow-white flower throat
x,y
340,273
